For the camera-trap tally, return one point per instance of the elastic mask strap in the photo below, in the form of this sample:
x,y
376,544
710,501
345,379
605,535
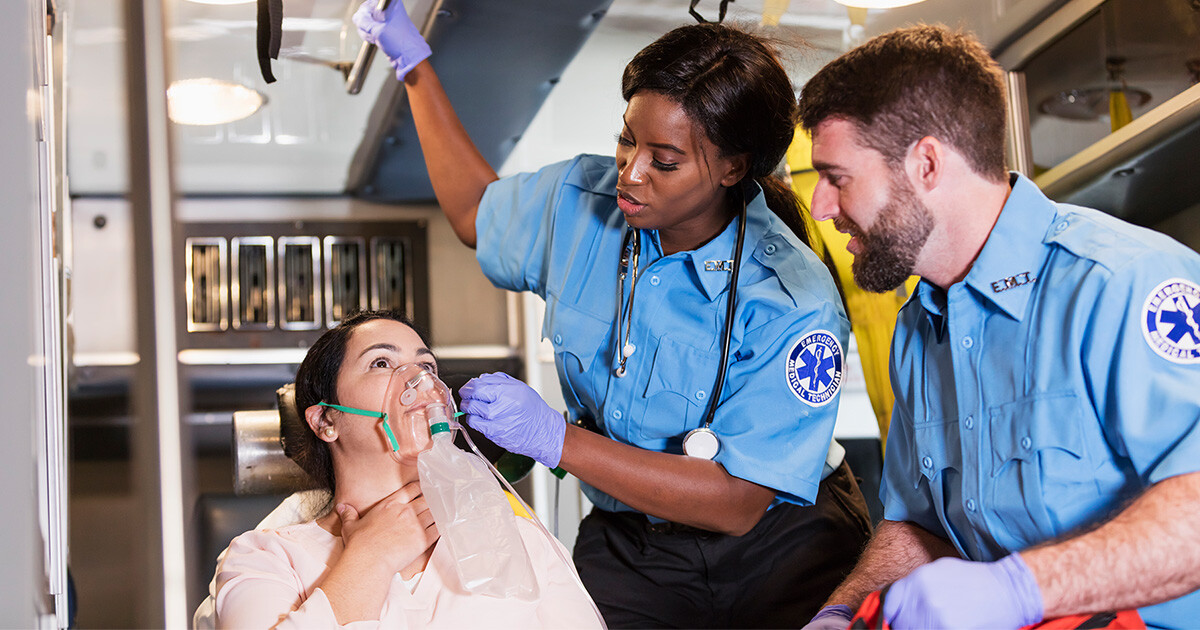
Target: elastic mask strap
x,y
370,414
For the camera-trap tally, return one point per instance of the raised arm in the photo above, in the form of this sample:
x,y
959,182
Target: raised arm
x,y
458,172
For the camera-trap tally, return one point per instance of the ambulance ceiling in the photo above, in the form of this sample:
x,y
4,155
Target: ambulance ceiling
x,y
499,60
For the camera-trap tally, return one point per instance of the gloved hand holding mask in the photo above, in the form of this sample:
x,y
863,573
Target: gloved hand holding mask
x,y
414,400
515,417
394,33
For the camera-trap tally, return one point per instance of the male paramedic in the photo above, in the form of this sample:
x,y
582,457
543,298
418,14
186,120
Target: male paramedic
x,y
1044,447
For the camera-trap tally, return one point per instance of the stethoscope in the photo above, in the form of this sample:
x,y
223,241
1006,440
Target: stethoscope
x,y
700,442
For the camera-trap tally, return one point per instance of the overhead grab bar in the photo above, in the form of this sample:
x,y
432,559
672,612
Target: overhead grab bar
x,y
357,74
358,71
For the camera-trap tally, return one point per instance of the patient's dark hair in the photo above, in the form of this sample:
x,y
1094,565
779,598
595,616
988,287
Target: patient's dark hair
x,y
732,85
316,381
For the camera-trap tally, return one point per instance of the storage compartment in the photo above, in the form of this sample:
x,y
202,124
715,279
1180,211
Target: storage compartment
x,y
253,292
345,277
205,284
299,300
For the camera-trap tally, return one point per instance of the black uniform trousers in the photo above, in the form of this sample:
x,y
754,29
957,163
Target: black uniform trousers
x,y
666,575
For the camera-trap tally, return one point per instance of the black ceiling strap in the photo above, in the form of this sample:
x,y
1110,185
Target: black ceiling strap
x,y
700,18
270,35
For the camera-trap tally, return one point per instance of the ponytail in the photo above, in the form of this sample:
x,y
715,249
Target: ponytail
x,y
782,200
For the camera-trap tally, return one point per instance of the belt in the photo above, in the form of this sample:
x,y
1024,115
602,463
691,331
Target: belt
x,y
836,453
668,527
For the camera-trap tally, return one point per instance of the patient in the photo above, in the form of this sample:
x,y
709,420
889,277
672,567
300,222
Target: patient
x,y
372,557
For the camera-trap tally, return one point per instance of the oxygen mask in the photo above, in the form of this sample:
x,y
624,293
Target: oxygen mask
x,y
414,403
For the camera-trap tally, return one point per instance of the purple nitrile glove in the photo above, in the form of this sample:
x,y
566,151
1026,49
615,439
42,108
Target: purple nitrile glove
x,y
835,617
513,416
954,593
394,34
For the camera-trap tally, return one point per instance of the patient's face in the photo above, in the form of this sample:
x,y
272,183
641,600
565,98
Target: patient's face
x,y
374,352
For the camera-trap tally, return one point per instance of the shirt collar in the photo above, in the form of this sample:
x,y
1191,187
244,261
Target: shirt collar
x,y
708,261
933,299
1011,260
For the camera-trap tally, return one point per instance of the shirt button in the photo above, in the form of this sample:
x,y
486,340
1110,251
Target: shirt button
x,y
769,249
700,395
970,422
1062,225
967,342
1026,442
654,280
927,462
970,505
616,414
557,340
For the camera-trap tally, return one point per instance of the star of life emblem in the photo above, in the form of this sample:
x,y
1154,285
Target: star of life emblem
x,y
1171,320
814,368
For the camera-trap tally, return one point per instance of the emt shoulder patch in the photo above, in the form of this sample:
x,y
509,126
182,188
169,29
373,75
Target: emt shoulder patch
x,y
1171,320
814,368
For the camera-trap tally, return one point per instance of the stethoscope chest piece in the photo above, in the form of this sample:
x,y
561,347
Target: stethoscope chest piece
x,y
702,443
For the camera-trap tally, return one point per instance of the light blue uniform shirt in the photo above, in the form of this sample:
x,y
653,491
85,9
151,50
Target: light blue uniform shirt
x,y
1056,381
558,233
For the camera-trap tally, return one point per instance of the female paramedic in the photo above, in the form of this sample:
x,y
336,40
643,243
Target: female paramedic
x,y
708,370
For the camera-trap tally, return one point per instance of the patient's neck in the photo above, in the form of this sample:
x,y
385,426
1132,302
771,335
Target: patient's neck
x,y
364,481
362,486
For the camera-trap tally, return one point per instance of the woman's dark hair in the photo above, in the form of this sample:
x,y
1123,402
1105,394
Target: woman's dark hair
x,y
732,85
316,381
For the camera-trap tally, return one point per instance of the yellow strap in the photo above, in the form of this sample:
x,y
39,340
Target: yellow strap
x,y
516,505
872,315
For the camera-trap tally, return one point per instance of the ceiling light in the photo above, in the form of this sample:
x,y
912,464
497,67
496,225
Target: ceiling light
x,y
878,4
1089,103
211,102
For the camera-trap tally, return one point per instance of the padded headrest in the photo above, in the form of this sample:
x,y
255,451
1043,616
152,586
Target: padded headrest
x,y
259,464
285,397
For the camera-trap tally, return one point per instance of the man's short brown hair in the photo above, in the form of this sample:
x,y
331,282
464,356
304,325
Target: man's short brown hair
x,y
911,83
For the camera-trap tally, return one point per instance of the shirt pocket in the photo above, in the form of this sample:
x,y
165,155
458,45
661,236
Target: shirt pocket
x,y
577,338
1041,474
939,459
677,390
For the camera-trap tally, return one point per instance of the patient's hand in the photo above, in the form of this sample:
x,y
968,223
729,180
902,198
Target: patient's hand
x,y
396,531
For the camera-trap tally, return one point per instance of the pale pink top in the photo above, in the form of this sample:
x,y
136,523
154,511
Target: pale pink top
x,y
268,580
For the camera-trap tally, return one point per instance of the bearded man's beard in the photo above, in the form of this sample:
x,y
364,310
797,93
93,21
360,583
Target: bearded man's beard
x,y
890,248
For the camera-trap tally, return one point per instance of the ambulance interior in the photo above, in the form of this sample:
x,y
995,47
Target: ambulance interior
x,y
183,253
